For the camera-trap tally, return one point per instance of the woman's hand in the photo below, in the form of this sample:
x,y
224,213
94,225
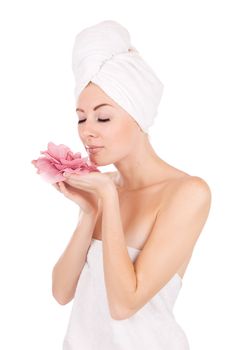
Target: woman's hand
x,y
89,204
86,190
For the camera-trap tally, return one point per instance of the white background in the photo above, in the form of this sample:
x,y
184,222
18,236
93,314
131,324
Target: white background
x,y
189,46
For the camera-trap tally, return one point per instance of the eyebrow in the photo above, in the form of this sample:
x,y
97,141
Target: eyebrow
x,y
95,108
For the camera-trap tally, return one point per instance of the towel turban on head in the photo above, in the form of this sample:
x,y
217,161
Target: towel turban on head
x,y
103,54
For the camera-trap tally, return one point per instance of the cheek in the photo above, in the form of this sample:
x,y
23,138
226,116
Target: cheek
x,y
124,131
119,142
122,141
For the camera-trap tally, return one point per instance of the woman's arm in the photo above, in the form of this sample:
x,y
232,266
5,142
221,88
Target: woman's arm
x,y
130,286
67,270
119,273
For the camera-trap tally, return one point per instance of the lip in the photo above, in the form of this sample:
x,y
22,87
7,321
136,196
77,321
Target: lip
x,y
93,146
93,150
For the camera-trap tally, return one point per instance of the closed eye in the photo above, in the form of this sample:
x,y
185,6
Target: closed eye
x,y
102,120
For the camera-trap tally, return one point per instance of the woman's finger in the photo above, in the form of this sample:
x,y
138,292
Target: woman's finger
x,y
56,186
61,186
63,189
67,193
71,179
77,184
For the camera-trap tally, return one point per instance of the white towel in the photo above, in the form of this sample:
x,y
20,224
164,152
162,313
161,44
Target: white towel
x,y
103,54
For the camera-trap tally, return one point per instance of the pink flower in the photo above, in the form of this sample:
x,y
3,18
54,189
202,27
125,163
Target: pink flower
x,y
60,159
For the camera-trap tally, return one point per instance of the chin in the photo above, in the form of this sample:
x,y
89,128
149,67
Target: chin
x,y
98,162
103,161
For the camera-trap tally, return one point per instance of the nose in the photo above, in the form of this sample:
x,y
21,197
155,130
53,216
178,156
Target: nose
x,y
88,130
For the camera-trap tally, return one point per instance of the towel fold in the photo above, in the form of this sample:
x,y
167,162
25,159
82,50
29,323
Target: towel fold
x,y
103,54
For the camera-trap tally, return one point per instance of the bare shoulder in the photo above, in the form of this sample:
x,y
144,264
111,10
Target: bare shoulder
x,y
192,188
196,184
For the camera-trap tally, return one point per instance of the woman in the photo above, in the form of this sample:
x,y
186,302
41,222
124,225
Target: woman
x,y
138,226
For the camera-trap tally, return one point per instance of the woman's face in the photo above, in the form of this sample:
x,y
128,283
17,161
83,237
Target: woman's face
x,y
118,135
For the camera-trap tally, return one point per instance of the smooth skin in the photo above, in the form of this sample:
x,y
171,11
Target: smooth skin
x,y
182,204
